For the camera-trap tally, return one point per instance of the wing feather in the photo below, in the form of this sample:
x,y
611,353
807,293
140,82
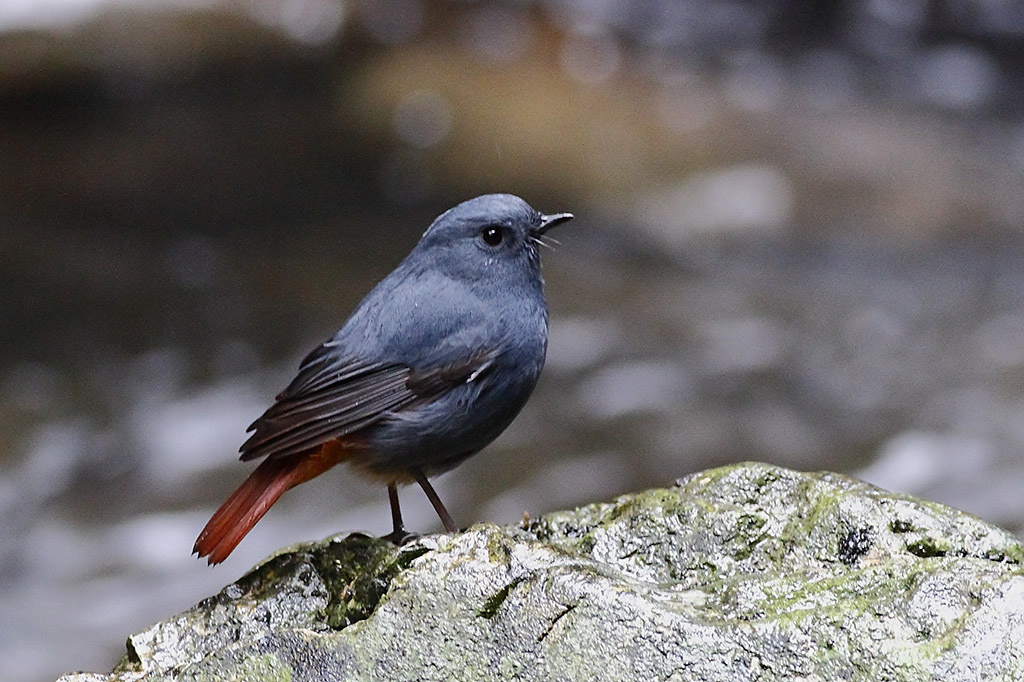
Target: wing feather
x,y
334,396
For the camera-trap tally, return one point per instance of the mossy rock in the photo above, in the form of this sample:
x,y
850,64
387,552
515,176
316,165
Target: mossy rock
x,y
748,572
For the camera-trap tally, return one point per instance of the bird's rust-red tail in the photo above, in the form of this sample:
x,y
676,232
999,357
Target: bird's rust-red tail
x,y
265,485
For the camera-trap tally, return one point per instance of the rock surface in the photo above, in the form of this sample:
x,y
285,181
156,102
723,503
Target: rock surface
x,y
749,572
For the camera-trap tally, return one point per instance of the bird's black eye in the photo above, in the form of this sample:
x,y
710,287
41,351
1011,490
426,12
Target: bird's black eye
x,y
492,235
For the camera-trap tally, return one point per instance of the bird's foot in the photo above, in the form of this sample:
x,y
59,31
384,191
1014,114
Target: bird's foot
x,y
400,536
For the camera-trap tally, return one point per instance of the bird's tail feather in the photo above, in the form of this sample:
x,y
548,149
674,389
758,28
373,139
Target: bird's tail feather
x,y
247,505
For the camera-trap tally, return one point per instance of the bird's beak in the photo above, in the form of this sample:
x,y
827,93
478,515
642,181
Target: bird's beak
x,y
549,221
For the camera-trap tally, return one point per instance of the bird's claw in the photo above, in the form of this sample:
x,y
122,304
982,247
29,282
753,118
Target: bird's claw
x,y
400,536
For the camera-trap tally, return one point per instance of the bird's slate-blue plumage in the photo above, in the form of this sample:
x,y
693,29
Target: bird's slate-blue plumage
x,y
432,365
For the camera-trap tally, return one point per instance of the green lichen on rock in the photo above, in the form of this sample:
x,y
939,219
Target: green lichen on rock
x,y
748,572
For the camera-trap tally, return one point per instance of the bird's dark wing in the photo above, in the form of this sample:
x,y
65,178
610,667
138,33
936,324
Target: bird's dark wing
x,y
333,396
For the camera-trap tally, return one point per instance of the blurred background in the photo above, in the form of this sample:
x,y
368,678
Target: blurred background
x,y
798,240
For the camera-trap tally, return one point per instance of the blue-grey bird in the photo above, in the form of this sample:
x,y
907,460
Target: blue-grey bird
x,y
432,365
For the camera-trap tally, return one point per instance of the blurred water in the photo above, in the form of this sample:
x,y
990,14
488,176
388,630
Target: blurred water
x,y
797,240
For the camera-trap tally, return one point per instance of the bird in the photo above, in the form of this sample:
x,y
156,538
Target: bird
x,y
433,364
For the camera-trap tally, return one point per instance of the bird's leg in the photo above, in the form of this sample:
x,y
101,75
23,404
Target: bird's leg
x,y
446,518
399,535
396,509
